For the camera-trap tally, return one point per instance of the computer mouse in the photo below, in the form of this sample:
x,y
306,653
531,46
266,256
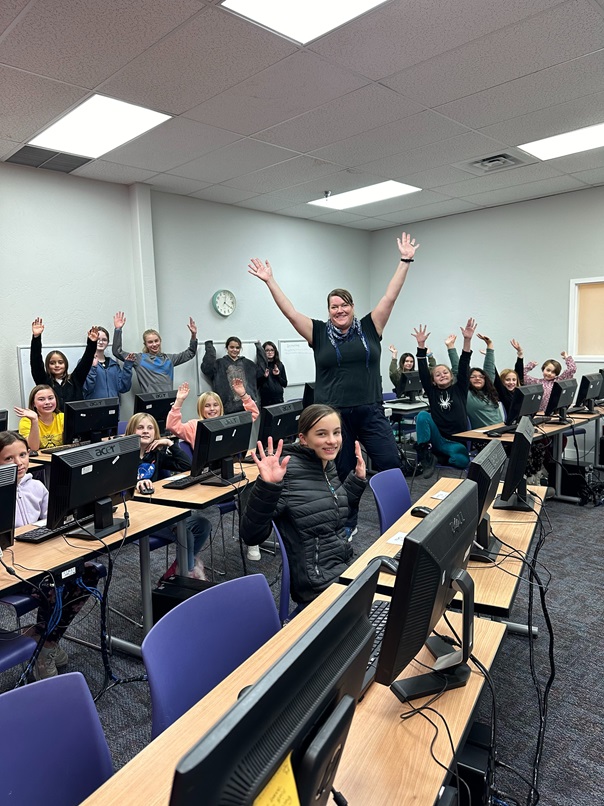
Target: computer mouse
x,y
388,564
147,491
33,453
421,512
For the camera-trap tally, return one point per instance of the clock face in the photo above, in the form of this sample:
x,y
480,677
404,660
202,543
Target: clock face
x,y
224,302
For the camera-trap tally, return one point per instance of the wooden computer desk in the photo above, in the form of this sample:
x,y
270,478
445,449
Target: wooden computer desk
x,y
386,761
495,586
33,561
199,496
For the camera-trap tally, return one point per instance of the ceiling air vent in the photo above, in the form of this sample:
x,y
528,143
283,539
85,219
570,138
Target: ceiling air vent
x,y
44,158
496,162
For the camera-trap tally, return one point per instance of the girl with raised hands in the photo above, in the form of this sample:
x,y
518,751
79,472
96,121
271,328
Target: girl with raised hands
x,y
106,378
298,487
447,397
54,370
483,398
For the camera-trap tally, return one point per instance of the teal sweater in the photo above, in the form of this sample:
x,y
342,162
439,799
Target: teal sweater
x,y
481,411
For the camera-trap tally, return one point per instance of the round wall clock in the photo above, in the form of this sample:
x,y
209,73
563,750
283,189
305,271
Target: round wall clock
x,y
224,302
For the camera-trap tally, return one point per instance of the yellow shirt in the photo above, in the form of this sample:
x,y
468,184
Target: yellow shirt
x,y
51,435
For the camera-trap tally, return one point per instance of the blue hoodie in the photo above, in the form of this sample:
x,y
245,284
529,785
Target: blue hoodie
x,y
108,380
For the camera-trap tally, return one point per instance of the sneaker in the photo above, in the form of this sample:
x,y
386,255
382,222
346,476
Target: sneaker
x,y
350,532
61,657
46,665
198,570
253,553
172,571
550,492
427,459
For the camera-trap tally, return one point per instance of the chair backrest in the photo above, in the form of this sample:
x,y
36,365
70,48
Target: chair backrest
x,y
54,749
202,640
285,578
186,448
392,496
121,427
388,395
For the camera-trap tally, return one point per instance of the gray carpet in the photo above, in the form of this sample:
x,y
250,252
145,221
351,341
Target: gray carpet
x,y
572,758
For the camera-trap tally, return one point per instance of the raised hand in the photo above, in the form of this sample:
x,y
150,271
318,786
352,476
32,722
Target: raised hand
x,y
271,468
93,333
259,269
407,246
276,370
564,354
450,341
183,391
131,357
393,352
360,470
29,413
421,335
192,327
37,326
517,347
95,361
486,340
468,331
238,387
119,320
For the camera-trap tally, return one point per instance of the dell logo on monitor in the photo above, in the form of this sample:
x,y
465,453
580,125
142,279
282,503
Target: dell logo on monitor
x,y
457,522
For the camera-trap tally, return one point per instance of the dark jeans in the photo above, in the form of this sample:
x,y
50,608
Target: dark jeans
x,y
368,425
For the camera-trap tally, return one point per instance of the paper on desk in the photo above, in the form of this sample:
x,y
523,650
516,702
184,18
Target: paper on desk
x,y
397,539
180,476
441,495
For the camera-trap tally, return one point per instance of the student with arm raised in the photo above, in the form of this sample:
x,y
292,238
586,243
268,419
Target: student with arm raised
x,y
347,361
106,378
154,368
483,398
221,372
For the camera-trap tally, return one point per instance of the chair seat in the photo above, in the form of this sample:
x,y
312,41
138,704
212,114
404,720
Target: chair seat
x,y
14,649
156,542
22,602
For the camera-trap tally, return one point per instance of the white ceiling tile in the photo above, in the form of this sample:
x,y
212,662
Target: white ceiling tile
x,y
408,33
593,177
463,147
213,51
176,184
402,135
9,10
268,203
555,85
301,211
292,172
565,117
29,103
241,157
110,172
435,177
48,41
7,147
500,179
399,203
223,194
359,111
370,224
534,190
171,144
565,32
294,85
338,217
444,208
584,161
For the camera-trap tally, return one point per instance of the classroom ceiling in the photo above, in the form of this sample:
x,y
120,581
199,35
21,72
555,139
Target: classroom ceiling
x,y
417,91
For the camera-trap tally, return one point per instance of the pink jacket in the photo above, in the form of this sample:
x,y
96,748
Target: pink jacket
x,y
569,372
188,430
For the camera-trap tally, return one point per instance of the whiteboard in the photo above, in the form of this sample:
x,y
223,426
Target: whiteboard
x,y
299,361
26,383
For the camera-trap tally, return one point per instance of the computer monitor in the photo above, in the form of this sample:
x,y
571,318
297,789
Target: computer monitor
x,y
590,390
526,401
514,493
561,397
217,442
431,570
89,480
486,469
280,421
8,501
296,715
308,398
409,386
157,404
3,420
91,420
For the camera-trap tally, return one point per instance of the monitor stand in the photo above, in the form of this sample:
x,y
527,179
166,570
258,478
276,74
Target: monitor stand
x,y
486,546
518,500
104,523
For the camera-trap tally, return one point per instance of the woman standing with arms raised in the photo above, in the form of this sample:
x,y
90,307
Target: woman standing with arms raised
x,y
347,360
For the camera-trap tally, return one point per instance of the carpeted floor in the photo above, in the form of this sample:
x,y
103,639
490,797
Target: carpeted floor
x,y
572,758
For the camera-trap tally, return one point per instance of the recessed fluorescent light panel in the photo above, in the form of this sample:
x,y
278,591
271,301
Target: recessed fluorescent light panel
x,y
301,20
368,195
97,126
568,143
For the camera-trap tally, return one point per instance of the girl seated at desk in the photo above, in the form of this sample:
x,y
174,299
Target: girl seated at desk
x,y
32,506
41,423
406,363
160,456
302,493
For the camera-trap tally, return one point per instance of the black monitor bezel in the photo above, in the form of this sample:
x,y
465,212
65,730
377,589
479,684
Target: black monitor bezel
x,y
280,421
526,401
514,494
102,415
156,404
561,397
8,504
207,437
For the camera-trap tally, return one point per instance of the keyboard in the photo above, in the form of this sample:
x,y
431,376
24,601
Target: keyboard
x,y
503,429
190,481
64,447
378,615
42,533
541,420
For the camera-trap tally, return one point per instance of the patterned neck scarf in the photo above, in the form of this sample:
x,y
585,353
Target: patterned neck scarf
x,y
335,336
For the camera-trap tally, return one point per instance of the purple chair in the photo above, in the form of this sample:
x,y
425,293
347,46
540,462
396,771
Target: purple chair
x,y
284,612
391,495
202,640
14,649
57,753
